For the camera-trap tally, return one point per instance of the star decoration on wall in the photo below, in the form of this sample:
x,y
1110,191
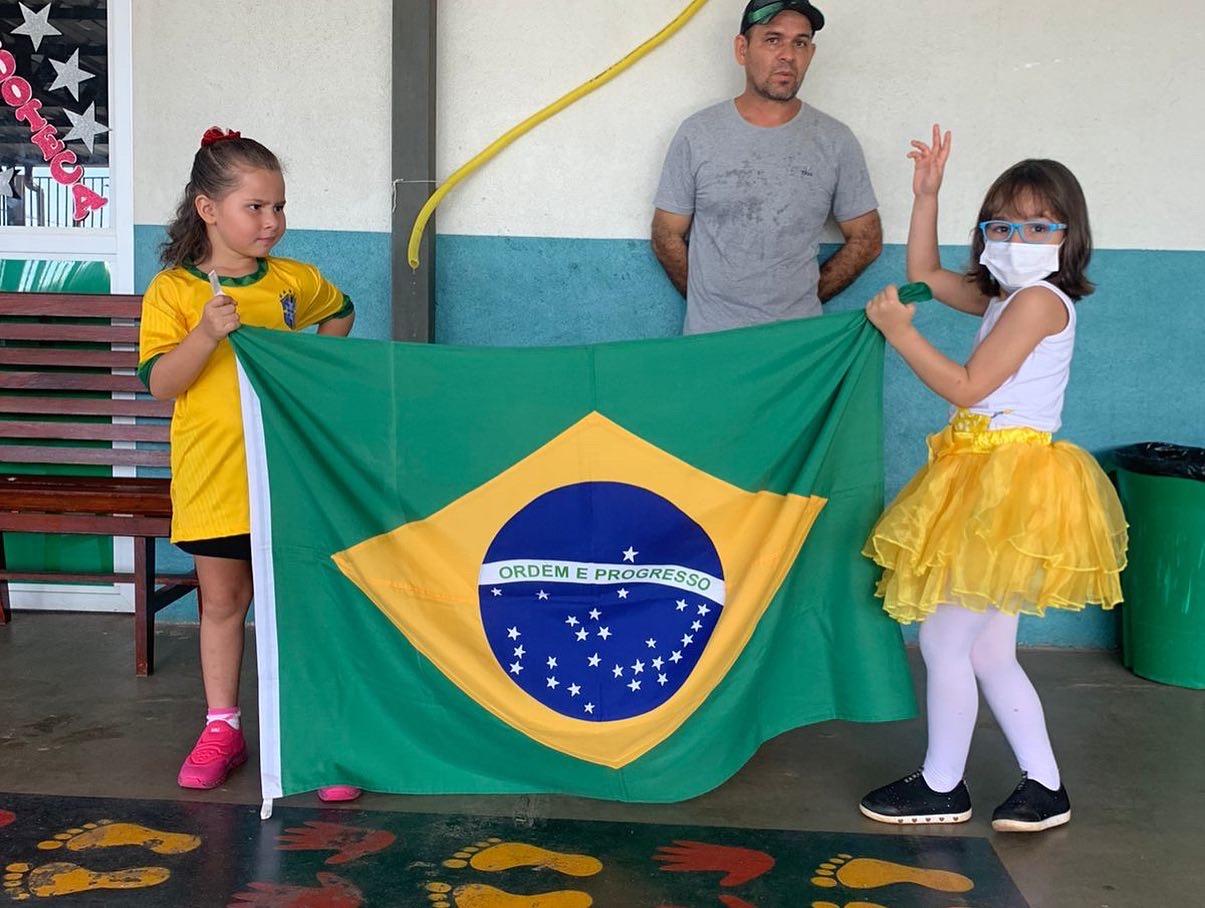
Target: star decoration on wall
x,y
69,75
6,183
84,126
36,25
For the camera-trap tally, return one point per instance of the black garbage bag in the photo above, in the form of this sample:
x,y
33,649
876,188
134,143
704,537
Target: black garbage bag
x,y
1157,458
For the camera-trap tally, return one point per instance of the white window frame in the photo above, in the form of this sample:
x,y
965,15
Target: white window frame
x,y
114,246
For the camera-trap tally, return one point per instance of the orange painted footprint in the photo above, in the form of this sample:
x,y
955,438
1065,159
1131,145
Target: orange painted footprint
x,y
871,873
496,856
107,834
21,881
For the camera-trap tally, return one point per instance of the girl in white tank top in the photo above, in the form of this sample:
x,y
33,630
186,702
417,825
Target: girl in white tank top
x,y
1002,521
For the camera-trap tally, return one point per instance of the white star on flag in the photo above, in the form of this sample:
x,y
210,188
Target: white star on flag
x,y
617,671
658,662
553,682
574,690
604,632
662,680
496,591
582,635
634,686
519,651
572,621
703,610
513,633
676,657
589,707
623,594
595,614
650,643
630,555
515,668
638,666
681,605
36,25
696,626
69,74
594,660
552,661
541,595
84,126
687,639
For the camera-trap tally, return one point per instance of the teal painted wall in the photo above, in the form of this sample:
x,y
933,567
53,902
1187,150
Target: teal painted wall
x,y
1138,375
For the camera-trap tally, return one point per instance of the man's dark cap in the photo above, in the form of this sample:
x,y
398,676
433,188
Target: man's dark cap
x,y
759,12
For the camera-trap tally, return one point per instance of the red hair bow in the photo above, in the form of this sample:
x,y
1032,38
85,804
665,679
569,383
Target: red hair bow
x,y
215,134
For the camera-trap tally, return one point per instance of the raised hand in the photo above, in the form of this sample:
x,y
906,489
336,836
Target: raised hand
x,y
739,864
348,842
219,317
930,163
333,892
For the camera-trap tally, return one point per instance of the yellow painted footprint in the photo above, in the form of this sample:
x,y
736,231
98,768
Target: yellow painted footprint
x,y
21,881
478,895
496,856
107,834
871,873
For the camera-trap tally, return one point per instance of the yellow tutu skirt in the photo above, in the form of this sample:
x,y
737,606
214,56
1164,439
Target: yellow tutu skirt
x,y
1000,518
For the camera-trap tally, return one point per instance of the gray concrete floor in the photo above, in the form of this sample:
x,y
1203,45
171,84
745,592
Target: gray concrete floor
x,y
75,721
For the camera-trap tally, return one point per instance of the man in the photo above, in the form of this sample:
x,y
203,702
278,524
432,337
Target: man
x,y
753,181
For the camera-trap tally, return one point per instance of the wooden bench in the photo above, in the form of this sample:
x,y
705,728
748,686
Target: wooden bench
x,y
69,396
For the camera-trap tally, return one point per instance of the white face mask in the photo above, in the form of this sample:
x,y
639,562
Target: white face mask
x,y
1017,265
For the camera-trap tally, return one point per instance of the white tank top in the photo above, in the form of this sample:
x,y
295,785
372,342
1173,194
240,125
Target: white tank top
x,y
1033,395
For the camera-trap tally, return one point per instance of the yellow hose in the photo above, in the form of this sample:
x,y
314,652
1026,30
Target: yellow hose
x,y
420,223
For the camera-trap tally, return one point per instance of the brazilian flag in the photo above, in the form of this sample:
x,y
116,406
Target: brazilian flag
x,y
611,571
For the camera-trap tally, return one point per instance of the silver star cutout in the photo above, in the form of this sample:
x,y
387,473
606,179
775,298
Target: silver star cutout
x,y
36,25
6,183
69,75
84,126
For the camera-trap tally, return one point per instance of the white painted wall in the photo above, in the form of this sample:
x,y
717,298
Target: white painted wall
x,y
1113,90
308,78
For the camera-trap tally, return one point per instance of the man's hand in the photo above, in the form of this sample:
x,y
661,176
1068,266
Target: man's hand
x,y
669,245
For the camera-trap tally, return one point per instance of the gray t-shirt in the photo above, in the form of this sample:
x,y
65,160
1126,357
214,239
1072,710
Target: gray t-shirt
x,y
760,198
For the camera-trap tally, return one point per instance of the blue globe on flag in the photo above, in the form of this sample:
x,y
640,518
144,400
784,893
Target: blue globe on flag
x,y
598,599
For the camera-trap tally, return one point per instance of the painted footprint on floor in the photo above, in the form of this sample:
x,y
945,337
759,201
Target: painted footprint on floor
x,y
21,881
871,873
498,856
107,834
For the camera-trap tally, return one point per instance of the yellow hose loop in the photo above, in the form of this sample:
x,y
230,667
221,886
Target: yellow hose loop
x,y
420,223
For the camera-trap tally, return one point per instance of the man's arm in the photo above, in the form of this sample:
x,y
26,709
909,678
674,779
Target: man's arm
x,y
669,244
863,244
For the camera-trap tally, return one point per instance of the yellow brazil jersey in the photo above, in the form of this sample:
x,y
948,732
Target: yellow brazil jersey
x,y
209,464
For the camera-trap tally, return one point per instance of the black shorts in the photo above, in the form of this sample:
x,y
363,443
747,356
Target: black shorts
x,y
237,547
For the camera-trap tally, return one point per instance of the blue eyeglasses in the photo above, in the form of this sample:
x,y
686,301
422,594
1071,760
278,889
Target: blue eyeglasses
x,y
1031,231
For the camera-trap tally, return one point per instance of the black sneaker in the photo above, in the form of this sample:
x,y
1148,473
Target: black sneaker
x,y
1032,807
911,800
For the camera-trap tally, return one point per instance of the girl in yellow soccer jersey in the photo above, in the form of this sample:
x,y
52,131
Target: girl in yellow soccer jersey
x,y
231,216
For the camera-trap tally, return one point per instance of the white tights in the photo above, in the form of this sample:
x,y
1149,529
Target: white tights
x,y
960,646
